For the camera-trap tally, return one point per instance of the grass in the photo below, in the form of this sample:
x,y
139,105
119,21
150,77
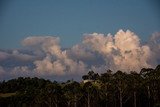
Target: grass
x,y
7,94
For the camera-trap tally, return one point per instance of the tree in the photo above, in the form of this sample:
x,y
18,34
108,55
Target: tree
x,y
120,82
90,76
52,94
72,92
106,87
89,91
147,81
135,84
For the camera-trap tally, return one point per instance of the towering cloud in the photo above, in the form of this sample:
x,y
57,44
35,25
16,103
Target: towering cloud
x,y
122,51
56,61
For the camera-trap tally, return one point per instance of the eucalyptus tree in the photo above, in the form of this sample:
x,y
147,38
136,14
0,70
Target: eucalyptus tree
x,y
72,93
155,84
147,81
135,84
52,94
91,76
106,77
120,83
91,94
107,89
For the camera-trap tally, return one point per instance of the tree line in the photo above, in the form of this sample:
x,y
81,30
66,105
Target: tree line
x,y
108,89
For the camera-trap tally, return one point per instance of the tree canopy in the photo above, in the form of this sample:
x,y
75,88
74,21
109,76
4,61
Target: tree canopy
x,y
109,89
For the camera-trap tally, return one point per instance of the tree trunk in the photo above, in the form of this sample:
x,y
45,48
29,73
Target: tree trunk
x,y
120,98
88,100
75,102
106,104
115,101
106,97
50,102
149,96
68,103
56,105
135,99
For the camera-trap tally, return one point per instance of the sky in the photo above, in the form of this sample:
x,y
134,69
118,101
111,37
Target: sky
x,y
70,19
64,39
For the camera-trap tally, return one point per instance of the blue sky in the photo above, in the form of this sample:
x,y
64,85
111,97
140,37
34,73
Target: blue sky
x,y
37,24
70,19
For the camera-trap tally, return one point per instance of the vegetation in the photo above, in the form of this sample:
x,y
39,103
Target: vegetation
x,y
109,89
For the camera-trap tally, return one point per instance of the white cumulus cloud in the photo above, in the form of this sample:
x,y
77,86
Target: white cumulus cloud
x,y
99,52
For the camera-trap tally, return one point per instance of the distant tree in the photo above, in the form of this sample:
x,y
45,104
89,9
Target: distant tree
x,y
52,94
91,93
105,90
85,77
106,77
72,92
91,76
146,75
120,82
135,84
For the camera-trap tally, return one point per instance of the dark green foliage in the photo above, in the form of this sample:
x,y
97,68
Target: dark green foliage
x,y
91,76
109,89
